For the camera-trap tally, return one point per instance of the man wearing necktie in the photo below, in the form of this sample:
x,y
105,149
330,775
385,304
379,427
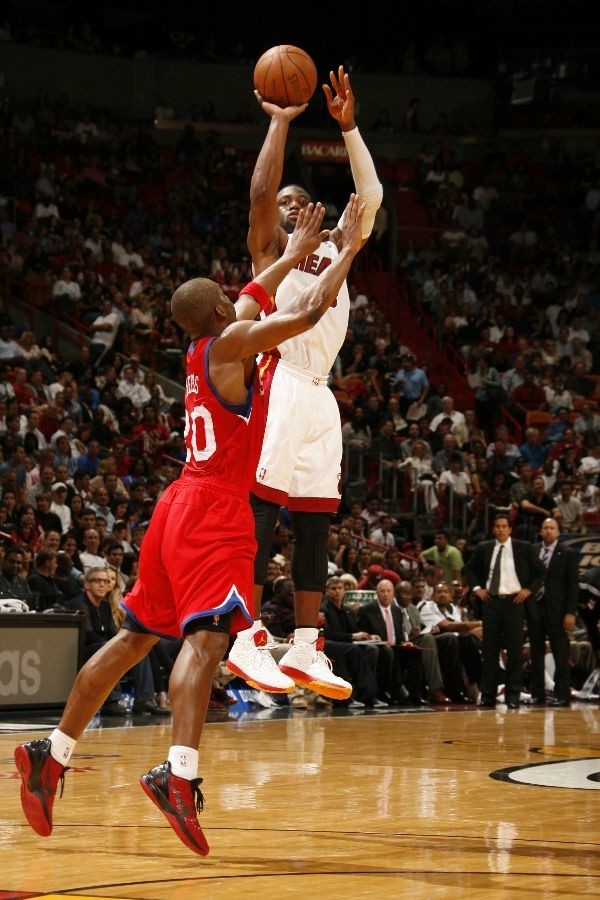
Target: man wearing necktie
x,y
341,625
503,573
552,612
383,617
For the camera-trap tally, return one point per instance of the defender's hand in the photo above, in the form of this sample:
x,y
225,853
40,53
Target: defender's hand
x,y
307,235
351,226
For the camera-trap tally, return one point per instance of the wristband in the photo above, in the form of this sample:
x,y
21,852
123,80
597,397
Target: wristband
x,y
258,293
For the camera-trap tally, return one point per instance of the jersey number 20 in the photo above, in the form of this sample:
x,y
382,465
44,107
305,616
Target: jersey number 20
x,y
191,425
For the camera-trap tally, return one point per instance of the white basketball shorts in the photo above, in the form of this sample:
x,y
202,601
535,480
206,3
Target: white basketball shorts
x,y
300,462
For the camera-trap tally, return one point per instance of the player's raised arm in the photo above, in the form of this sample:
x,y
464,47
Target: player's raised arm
x,y
264,238
340,104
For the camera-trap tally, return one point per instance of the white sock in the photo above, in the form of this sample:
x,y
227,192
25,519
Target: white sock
x,y
306,635
61,746
184,762
248,633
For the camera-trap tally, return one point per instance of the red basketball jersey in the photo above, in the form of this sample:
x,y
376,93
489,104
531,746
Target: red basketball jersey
x,y
222,440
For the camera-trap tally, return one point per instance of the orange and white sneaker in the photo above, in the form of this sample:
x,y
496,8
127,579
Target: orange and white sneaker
x,y
179,800
40,774
251,659
308,666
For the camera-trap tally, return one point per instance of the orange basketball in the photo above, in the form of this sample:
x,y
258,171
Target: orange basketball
x,y
285,75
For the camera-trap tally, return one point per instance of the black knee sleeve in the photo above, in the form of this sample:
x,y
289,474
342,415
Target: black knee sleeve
x,y
309,559
265,519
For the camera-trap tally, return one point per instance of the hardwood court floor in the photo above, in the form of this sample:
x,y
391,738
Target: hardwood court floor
x,y
368,806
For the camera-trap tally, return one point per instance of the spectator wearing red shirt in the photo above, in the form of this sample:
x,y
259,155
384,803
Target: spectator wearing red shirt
x,y
24,393
122,458
567,442
27,532
151,435
374,575
529,396
52,417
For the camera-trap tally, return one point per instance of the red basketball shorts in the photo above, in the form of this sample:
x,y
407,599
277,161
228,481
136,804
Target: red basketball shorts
x,y
197,558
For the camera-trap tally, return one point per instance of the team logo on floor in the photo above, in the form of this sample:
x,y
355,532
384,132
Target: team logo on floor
x,y
582,771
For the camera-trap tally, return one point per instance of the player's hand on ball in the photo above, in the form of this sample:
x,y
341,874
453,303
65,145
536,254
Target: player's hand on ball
x,y
271,109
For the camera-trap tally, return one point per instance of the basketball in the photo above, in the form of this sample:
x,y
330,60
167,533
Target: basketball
x,y
286,76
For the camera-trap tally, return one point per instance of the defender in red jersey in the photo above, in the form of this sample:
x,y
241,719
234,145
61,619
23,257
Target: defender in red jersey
x,y
196,565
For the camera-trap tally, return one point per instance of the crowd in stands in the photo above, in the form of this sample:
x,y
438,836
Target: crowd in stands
x,y
99,224
509,281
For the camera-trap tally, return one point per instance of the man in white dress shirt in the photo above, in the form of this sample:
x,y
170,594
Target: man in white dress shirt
x,y
448,412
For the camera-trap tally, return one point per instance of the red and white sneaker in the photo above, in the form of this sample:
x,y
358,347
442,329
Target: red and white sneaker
x,y
40,774
308,666
252,660
179,800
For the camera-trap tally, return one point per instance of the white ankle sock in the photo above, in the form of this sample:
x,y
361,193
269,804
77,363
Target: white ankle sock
x,y
306,635
184,762
61,747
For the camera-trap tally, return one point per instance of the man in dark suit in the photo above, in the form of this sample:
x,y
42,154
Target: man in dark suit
x,y
383,617
503,573
552,612
341,625
441,660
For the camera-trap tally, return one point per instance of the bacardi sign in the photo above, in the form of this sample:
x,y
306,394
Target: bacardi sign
x,y
588,547
324,151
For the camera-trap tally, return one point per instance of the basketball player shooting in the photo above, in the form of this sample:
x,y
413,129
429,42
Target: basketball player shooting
x,y
300,462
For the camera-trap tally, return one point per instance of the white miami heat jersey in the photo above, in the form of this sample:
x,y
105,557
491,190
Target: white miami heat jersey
x,y
316,349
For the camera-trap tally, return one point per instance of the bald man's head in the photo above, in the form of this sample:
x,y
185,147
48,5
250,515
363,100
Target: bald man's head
x,y
200,307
